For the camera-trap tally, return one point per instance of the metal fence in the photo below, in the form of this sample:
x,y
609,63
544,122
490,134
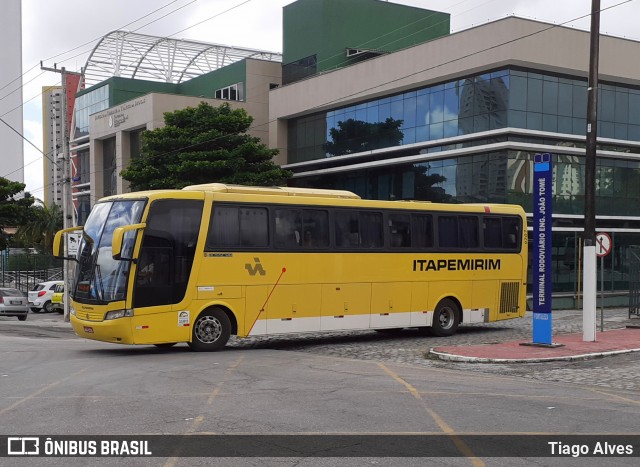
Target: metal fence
x,y
23,271
634,280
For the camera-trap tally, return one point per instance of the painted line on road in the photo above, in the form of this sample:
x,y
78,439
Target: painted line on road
x,y
197,422
40,391
461,445
614,396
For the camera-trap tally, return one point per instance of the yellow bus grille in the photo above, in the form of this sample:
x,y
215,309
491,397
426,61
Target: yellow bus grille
x,y
509,297
90,315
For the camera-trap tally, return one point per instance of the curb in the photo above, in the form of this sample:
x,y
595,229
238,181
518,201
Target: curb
x,y
464,359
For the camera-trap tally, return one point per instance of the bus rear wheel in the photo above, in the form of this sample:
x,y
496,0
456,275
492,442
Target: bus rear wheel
x,y
446,318
211,331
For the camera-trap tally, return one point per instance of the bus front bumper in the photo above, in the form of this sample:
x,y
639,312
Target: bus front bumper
x,y
116,330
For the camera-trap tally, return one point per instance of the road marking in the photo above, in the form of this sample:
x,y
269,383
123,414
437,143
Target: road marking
x,y
614,396
197,422
461,445
40,391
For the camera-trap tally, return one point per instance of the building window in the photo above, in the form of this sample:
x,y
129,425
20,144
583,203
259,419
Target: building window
x,y
230,93
87,104
109,167
499,99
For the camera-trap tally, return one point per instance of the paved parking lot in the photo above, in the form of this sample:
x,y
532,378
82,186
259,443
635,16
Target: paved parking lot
x,y
410,347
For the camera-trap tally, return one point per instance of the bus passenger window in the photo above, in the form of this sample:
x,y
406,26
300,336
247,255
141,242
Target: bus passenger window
x,y
315,224
371,229
492,231
468,232
399,230
511,232
347,229
448,231
288,228
422,230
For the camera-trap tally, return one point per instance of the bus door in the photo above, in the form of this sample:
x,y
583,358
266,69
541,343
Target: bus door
x,y
161,295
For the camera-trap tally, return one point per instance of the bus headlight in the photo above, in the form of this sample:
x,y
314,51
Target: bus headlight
x,y
118,314
72,310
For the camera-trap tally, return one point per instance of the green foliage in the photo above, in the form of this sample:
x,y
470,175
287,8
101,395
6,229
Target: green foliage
x,y
14,211
41,226
353,136
204,144
29,262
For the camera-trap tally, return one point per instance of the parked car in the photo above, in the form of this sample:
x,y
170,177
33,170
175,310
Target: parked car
x,y
13,302
40,296
57,299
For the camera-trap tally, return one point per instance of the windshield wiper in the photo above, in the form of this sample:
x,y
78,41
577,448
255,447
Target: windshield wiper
x,y
98,280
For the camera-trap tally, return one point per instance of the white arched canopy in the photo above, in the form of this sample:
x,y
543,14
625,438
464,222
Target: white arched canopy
x,y
133,55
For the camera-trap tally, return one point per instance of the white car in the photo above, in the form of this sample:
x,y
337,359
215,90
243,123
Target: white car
x,y
40,296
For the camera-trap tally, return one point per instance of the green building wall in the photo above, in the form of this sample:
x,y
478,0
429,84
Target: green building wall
x,y
325,28
124,89
206,85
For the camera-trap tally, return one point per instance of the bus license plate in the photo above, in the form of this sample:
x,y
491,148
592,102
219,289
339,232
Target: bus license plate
x,y
88,329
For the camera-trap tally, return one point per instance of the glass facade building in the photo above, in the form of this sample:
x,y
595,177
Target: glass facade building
x,y
505,98
474,140
87,104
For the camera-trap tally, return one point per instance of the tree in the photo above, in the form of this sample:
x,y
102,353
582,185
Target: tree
x,y
43,223
14,211
353,136
204,144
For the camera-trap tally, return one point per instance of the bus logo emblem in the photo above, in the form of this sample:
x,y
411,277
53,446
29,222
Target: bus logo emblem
x,y
257,268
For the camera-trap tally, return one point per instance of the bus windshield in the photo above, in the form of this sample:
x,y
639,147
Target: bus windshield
x,y
99,277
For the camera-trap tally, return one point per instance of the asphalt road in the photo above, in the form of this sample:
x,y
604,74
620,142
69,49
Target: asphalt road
x,y
53,383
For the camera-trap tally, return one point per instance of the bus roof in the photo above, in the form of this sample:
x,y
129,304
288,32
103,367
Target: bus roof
x,y
272,190
317,197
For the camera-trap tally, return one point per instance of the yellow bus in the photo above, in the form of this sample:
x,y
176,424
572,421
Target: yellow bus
x,y
203,263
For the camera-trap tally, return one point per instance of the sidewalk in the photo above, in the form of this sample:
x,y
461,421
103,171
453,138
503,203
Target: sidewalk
x,y
572,347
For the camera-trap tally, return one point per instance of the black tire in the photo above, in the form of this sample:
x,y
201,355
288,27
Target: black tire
x,y
22,318
211,331
165,345
446,318
47,307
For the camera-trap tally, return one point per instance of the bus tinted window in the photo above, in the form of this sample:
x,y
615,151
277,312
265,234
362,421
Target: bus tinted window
x,y
511,232
167,252
288,224
448,231
347,227
492,232
501,232
254,227
422,229
468,232
399,230
371,229
315,228
238,227
458,232
359,229
304,228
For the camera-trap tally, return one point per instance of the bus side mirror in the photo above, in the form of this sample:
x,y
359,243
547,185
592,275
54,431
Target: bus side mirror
x,y
58,246
123,240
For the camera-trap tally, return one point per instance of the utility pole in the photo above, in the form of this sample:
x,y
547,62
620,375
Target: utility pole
x,y
67,203
589,237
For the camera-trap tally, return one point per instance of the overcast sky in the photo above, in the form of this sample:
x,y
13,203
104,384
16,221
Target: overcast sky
x,y
64,32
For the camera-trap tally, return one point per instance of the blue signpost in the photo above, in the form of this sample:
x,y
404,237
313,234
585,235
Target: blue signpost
x,y
542,172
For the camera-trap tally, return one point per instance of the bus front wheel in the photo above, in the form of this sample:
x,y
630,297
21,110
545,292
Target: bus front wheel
x,y
446,318
211,331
